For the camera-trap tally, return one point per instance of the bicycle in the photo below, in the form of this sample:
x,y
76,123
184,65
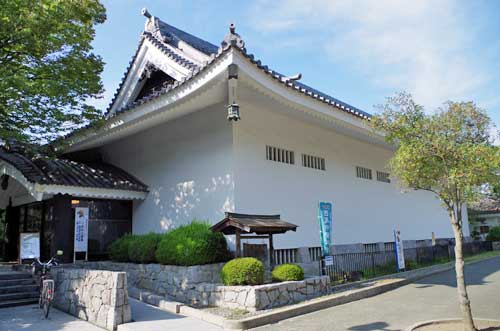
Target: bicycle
x,y
47,284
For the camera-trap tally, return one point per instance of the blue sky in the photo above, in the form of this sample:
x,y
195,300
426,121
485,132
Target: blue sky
x,y
357,51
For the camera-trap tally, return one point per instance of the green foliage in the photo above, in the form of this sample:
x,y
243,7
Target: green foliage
x,y
119,249
47,67
142,248
192,244
287,272
494,234
243,271
448,152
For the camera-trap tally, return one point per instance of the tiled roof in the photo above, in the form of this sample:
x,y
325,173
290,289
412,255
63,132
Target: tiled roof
x,y
195,42
487,205
215,52
51,171
260,224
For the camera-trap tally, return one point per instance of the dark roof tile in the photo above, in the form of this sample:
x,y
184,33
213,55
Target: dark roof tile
x,y
50,171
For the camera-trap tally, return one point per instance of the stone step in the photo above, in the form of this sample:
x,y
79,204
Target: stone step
x,y
17,296
14,282
19,302
18,289
14,275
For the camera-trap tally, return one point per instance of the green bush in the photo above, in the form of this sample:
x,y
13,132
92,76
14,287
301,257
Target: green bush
x,y
243,271
142,249
192,244
287,272
494,234
118,250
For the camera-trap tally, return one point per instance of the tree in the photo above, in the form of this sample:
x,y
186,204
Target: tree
x,y
47,67
449,153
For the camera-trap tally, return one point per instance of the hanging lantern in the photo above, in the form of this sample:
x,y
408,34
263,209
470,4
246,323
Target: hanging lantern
x,y
233,109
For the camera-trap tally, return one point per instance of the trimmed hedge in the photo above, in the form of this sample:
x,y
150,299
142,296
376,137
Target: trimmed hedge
x,y
142,249
287,272
192,244
118,250
494,234
243,271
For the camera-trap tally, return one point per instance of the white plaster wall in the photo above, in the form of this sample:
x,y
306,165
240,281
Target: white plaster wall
x,y
363,210
187,164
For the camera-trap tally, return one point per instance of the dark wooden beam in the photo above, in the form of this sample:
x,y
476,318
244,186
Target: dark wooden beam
x,y
271,251
238,243
254,237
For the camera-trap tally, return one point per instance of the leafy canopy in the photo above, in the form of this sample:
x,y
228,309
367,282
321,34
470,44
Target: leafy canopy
x,y
47,67
448,152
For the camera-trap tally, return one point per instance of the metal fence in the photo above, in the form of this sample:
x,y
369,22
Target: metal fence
x,y
286,255
354,266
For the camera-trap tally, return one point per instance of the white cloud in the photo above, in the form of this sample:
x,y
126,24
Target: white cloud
x,y
424,47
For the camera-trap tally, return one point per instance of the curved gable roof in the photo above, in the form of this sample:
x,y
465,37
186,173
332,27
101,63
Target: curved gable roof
x,y
169,36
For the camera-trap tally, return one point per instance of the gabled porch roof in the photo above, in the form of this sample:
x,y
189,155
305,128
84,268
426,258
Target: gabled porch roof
x,y
35,178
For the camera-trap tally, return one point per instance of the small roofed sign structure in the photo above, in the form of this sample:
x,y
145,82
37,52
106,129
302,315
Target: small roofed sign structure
x,y
264,226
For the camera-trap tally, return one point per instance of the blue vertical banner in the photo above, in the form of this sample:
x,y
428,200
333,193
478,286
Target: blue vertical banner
x,y
399,250
325,223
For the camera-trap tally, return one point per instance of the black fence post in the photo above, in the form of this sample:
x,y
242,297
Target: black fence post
x,y
373,263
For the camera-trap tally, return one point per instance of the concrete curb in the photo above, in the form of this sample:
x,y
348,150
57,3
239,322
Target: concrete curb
x,y
444,321
155,300
321,303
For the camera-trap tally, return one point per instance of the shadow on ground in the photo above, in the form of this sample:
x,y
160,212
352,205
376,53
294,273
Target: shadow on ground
x,y
382,326
475,274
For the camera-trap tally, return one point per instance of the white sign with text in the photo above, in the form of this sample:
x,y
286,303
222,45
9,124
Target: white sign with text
x,y
29,245
81,229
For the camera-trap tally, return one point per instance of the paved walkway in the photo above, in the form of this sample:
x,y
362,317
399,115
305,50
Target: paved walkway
x,y
29,318
146,318
150,318
430,298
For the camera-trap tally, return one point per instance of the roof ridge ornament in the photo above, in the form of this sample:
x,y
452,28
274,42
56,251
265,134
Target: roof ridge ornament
x,y
152,26
233,39
294,78
145,12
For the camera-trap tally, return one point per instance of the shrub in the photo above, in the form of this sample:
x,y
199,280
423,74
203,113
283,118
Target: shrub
x,y
494,234
243,271
192,244
142,248
287,272
118,250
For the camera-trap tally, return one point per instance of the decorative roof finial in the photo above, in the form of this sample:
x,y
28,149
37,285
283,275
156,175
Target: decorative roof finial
x,y
292,78
233,39
145,13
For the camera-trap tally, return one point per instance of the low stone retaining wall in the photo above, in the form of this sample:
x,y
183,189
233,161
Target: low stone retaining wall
x,y
259,297
97,296
496,245
176,282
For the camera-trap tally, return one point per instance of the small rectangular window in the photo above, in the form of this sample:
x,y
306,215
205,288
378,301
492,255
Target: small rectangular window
x,y
313,162
279,155
362,172
383,177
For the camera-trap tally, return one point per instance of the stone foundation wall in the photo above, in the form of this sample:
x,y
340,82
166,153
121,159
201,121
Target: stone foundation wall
x,y
97,296
259,297
176,282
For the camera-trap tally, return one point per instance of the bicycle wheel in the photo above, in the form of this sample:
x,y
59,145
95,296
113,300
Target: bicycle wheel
x,y
46,308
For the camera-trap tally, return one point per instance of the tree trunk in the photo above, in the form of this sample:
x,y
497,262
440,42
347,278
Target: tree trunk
x,y
463,297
